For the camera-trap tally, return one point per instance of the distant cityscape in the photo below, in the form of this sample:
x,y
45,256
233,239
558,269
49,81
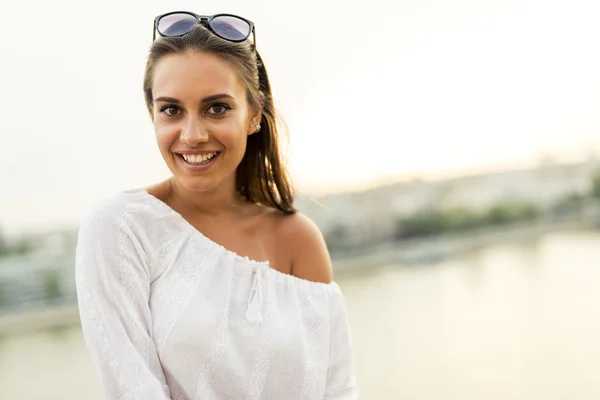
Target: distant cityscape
x,y
417,208
37,270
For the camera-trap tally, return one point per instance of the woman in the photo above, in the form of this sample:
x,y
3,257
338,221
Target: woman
x,y
172,300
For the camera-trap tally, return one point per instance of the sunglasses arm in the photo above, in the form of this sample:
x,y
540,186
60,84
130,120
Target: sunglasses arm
x,y
154,31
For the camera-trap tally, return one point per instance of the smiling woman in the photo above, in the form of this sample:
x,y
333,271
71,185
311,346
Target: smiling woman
x,y
199,126
173,302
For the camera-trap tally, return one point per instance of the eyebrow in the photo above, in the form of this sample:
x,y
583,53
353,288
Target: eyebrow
x,y
204,100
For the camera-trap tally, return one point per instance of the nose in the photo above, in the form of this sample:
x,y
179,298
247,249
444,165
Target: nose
x,y
194,133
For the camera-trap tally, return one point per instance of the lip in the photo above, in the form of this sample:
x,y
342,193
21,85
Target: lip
x,y
196,168
196,152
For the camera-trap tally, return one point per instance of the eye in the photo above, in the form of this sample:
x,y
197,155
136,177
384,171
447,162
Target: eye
x,y
170,110
218,109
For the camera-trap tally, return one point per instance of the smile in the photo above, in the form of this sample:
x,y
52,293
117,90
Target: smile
x,y
199,159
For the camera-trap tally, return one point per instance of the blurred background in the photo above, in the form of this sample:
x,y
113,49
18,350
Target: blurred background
x,y
448,150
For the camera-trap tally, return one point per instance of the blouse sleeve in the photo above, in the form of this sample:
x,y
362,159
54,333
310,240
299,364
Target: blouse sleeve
x,y
113,286
341,375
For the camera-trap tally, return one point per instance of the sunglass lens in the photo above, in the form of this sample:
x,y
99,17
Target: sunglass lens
x,y
176,24
231,28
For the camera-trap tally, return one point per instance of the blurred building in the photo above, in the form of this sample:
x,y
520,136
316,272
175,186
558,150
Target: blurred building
x,y
42,276
366,217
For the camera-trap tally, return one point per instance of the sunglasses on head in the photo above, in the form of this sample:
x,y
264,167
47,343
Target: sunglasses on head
x,y
226,26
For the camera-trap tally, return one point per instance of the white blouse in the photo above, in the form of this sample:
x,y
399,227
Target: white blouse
x,y
169,314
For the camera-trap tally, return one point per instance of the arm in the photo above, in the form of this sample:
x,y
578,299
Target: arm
x,y
311,261
341,376
113,289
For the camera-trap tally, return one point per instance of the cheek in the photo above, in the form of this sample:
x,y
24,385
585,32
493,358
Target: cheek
x,y
164,142
231,133
165,134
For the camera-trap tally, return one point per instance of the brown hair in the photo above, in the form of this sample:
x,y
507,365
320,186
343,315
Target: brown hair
x,y
261,176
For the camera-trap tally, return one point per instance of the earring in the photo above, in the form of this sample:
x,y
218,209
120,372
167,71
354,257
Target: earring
x,y
257,127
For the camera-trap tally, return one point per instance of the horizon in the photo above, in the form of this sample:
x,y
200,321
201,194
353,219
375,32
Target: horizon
x,y
540,161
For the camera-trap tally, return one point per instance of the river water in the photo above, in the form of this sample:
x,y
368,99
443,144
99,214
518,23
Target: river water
x,y
511,321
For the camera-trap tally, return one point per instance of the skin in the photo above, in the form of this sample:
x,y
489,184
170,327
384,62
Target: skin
x,y
200,105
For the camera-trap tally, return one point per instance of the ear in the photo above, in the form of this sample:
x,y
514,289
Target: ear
x,y
257,114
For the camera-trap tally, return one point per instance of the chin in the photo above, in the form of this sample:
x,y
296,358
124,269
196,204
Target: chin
x,y
200,181
195,184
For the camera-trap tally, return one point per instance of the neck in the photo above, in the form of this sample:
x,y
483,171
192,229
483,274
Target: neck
x,y
221,200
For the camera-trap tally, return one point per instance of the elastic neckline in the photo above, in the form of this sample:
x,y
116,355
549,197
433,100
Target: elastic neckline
x,y
254,263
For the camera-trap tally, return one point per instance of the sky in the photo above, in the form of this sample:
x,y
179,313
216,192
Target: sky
x,y
371,92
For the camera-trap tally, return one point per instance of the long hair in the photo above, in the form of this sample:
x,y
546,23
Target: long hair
x,y
261,176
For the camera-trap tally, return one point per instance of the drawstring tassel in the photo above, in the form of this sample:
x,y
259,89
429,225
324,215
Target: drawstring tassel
x,y
253,313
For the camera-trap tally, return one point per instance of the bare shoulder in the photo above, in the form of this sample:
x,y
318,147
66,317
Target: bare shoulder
x,y
304,242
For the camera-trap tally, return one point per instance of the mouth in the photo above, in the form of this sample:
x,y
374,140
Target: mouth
x,y
198,159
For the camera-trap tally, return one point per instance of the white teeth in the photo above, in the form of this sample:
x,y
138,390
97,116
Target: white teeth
x,y
198,158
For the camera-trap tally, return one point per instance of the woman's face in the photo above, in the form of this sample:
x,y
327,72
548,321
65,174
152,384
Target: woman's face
x,y
201,118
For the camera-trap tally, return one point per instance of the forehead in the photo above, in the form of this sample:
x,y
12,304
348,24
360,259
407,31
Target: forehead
x,y
194,75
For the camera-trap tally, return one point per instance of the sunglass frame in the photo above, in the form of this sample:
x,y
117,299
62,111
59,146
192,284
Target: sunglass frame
x,y
207,21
